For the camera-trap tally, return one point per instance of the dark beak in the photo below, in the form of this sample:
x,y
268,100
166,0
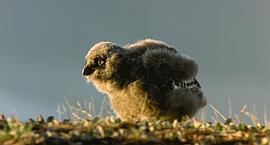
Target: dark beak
x,y
87,70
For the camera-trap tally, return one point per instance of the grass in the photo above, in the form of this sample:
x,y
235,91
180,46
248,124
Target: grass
x,y
83,128
109,130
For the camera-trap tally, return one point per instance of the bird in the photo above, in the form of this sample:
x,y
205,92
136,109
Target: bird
x,y
146,80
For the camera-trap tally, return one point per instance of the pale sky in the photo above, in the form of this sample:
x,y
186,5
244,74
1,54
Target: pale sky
x,y
43,44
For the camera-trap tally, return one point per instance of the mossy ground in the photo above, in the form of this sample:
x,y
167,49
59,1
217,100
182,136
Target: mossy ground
x,y
111,131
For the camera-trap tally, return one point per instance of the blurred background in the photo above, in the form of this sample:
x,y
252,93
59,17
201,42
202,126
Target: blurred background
x,y
43,44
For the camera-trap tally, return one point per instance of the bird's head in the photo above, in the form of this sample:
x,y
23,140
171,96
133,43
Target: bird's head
x,y
103,62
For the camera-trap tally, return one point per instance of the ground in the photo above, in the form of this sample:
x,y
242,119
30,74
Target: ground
x,y
111,131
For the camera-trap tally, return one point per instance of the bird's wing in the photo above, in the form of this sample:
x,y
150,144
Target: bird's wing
x,y
142,46
175,66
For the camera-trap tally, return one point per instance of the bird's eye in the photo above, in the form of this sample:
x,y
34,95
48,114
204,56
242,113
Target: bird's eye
x,y
100,61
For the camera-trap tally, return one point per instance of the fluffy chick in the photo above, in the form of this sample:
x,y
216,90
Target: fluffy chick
x,y
145,80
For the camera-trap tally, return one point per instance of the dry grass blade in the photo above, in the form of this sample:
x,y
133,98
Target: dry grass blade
x,y
143,107
238,119
255,110
265,117
253,117
203,114
59,112
217,112
214,120
76,110
230,107
82,111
